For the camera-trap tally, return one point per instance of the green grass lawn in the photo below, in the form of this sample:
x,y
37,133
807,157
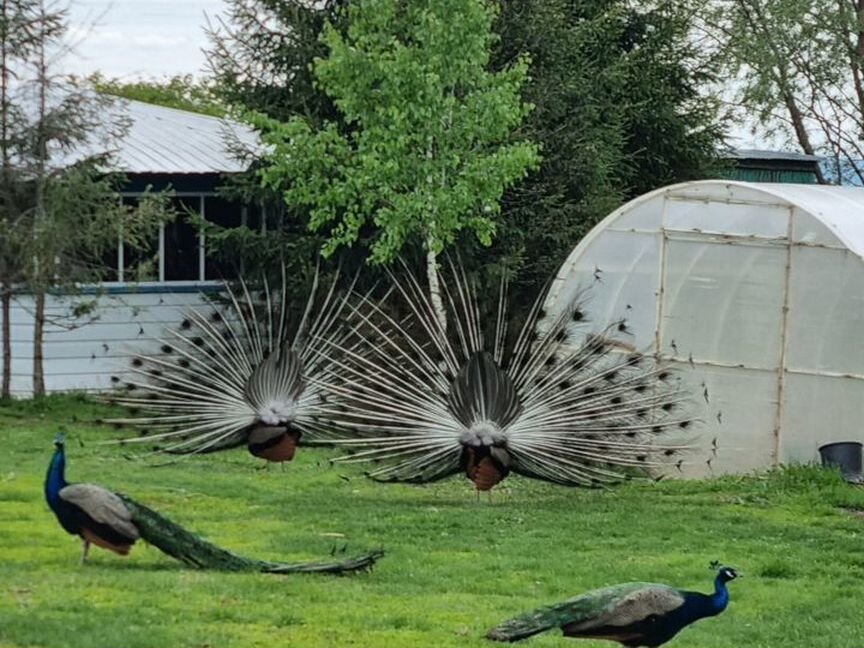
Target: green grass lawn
x,y
454,566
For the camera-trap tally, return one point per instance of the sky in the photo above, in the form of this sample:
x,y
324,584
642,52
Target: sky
x,y
139,38
131,39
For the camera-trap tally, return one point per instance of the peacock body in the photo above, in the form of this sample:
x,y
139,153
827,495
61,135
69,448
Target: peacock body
x,y
633,614
432,396
116,522
240,372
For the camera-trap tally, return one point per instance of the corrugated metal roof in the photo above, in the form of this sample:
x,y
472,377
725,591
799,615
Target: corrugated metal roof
x,y
760,154
166,140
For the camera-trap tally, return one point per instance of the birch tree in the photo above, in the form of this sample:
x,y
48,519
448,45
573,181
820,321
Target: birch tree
x,y
425,143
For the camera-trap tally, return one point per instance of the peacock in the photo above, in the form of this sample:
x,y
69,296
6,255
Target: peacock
x,y
116,522
633,614
241,374
434,393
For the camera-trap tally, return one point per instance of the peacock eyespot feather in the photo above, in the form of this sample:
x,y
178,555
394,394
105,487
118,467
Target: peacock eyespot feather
x,y
611,375
589,390
657,429
185,324
641,458
663,375
216,316
564,384
198,341
130,387
617,400
137,362
184,363
622,326
684,425
634,359
667,407
561,335
155,373
641,413
669,452
115,379
630,435
578,315
166,349
549,361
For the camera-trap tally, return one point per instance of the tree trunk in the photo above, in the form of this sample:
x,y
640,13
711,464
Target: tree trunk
x,y
6,335
435,287
38,336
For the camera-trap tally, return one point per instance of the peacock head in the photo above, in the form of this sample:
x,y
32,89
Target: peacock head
x,y
724,574
59,441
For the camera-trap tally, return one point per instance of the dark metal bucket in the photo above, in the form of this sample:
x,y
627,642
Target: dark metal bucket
x,y
845,455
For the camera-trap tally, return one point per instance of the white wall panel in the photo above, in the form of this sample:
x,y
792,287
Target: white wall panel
x,y
98,345
826,316
724,302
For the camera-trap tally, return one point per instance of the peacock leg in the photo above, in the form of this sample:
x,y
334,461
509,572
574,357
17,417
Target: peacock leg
x,y
85,547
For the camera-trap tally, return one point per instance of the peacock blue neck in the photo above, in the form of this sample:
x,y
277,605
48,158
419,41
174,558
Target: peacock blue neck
x,y
720,598
55,480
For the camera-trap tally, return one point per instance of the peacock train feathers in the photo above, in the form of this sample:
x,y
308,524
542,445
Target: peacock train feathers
x,y
243,373
431,396
116,522
633,614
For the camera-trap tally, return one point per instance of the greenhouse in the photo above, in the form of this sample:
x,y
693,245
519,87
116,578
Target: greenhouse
x,y
756,292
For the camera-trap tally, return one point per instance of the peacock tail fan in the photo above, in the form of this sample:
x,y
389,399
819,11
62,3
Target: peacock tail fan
x,y
246,359
192,550
556,398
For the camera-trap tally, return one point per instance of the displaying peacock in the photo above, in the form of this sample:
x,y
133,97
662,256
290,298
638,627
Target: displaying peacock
x,y
432,396
116,522
633,614
237,375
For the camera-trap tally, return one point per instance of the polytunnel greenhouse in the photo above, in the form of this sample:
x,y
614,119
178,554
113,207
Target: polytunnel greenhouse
x,y
756,291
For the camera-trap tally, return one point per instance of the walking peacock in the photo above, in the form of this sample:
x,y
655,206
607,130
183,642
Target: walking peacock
x,y
238,376
633,614
116,522
435,396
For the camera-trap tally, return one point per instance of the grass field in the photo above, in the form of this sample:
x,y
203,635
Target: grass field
x,y
454,565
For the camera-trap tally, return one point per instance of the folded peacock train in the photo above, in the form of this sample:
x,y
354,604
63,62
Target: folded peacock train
x,y
436,392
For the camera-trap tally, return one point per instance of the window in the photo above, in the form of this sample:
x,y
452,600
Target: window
x,y
221,264
181,256
176,252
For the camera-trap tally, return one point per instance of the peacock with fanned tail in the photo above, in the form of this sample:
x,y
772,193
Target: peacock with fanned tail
x,y
238,375
433,396
633,614
116,522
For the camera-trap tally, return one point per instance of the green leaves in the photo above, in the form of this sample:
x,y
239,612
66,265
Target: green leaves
x,y
423,147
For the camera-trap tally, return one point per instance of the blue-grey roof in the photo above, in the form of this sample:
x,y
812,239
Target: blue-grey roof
x,y
166,140
761,154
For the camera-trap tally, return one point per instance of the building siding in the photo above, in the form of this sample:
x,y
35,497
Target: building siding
x,y
83,353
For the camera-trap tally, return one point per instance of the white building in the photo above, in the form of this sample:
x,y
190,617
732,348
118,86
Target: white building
x,y
164,149
755,291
